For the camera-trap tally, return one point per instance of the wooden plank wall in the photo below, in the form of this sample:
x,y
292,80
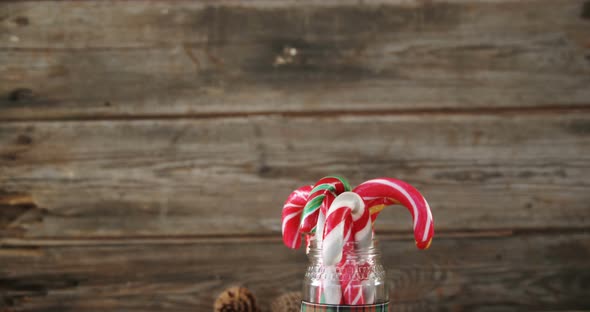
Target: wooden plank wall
x,y
146,147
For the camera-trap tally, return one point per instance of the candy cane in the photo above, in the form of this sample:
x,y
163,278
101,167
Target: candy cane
x,y
350,280
375,206
323,192
362,232
346,215
338,227
291,216
362,229
337,231
331,287
388,191
319,231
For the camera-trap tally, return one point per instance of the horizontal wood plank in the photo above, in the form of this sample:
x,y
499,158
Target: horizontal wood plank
x,y
519,273
63,59
230,176
135,211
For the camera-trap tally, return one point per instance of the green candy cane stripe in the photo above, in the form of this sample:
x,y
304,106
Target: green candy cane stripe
x,y
345,184
312,206
321,187
347,187
327,186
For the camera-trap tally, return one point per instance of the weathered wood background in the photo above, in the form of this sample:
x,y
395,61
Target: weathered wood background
x,y
146,147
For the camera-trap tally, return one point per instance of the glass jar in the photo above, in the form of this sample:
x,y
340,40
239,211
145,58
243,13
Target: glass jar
x,y
358,279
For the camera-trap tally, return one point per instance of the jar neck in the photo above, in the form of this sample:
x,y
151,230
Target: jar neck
x,y
350,250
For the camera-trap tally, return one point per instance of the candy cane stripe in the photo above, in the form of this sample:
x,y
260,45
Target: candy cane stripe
x,y
321,195
381,192
428,221
291,216
401,190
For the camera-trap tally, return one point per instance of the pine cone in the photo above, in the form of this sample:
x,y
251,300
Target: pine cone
x,y
235,299
288,302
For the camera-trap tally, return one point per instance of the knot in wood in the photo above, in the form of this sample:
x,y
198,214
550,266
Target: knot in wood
x,y
287,56
21,94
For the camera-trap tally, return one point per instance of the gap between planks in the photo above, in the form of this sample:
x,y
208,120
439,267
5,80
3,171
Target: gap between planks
x,y
541,110
270,238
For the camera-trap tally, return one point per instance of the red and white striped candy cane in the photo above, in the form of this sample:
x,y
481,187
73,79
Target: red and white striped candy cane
x,y
362,235
346,214
350,280
337,231
323,192
338,226
291,216
388,191
362,229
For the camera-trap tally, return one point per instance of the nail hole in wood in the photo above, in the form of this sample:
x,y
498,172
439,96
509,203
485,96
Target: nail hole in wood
x,y
21,20
24,140
20,94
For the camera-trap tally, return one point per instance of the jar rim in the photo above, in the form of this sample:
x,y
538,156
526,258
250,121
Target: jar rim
x,y
314,248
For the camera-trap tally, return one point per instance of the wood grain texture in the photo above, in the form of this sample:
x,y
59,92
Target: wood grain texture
x,y
146,147
63,59
230,176
515,273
